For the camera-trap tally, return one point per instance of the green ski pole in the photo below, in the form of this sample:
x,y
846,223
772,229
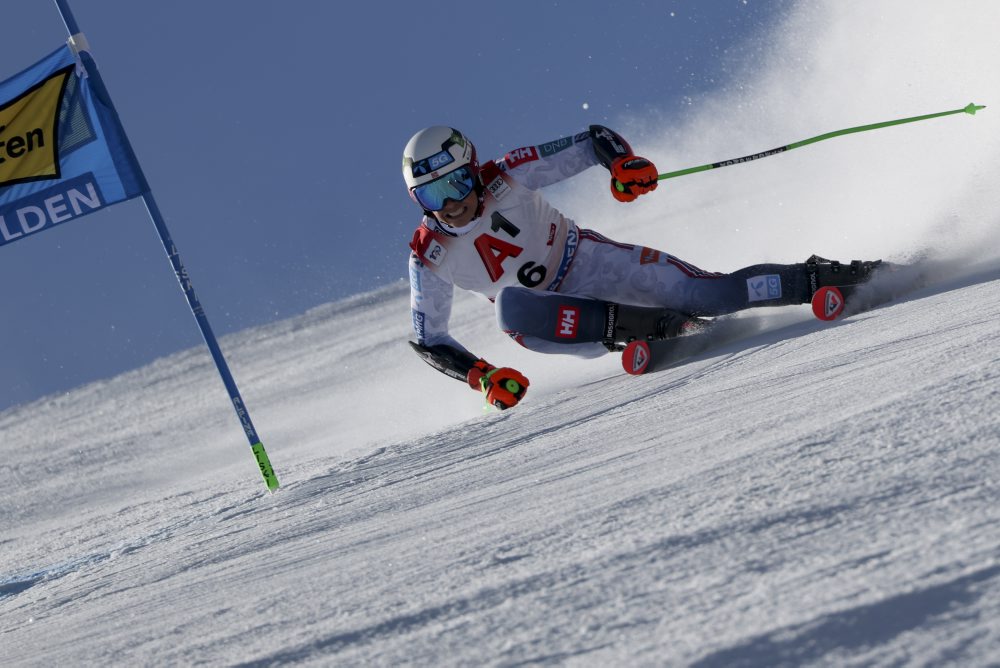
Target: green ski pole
x,y
968,109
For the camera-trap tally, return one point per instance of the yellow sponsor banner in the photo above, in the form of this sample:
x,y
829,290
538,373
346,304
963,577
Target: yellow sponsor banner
x,y
28,142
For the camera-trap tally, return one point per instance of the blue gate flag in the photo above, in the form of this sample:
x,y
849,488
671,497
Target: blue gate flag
x,y
62,151
64,154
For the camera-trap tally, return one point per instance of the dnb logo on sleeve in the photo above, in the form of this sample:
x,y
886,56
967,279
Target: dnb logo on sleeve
x,y
763,288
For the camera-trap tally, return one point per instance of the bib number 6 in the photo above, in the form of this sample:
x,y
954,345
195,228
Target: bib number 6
x,y
531,275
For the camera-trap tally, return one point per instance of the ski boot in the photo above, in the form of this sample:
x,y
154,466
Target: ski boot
x,y
832,285
643,323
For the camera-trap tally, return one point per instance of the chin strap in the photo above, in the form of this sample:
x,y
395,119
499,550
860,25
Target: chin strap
x,y
481,200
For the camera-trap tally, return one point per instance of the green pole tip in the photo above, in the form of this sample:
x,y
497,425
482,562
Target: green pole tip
x,y
619,186
972,108
265,466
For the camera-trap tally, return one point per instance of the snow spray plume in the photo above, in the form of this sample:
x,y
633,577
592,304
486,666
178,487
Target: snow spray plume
x,y
930,188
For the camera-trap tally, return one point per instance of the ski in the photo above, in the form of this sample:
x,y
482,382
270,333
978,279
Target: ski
x,y
890,283
641,357
828,303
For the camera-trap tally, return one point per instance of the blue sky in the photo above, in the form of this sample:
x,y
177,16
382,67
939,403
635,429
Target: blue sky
x,y
271,135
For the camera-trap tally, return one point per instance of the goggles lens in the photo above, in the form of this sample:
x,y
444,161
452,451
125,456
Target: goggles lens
x,y
454,185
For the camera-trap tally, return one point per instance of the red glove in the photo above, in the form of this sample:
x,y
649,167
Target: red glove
x,y
503,387
632,176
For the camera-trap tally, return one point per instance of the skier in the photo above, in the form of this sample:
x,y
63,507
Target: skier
x,y
559,288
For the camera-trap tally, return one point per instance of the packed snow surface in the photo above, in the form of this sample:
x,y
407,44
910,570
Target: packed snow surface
x,y
808,494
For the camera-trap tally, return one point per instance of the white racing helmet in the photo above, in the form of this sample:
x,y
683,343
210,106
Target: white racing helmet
x,y
439,163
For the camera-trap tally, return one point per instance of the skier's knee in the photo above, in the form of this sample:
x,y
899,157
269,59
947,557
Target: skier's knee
x,y
562,319
514,309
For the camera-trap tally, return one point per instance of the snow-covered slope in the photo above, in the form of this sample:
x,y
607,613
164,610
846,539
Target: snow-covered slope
x,y
812,493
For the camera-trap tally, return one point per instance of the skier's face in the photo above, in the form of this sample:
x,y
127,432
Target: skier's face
x,y
459,214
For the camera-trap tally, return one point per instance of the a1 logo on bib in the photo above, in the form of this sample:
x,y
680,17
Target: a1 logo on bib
x,y
828,303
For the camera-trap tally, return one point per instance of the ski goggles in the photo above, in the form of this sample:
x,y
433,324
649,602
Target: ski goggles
x,y
454,185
